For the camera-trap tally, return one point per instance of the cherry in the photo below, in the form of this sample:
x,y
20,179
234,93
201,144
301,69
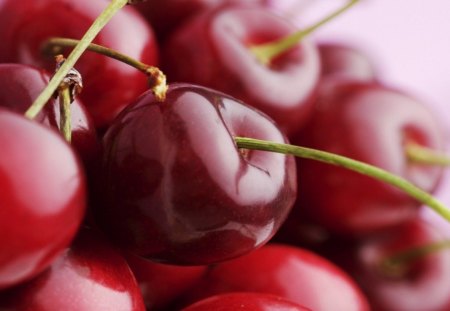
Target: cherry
x,y
342,61
215,49
162,284
30,23
293,273
245,302
42,197
176,187
21,84
418,284
169,15
374,124
90,275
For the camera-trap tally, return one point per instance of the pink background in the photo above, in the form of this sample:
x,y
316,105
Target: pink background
x,y
409,41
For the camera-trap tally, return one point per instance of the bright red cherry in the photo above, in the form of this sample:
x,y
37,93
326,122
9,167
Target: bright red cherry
x,y
374,124
245,302
421,284
168,15
293,273
176,187
162,284
42,197
22,84
110,85
213,50
90,275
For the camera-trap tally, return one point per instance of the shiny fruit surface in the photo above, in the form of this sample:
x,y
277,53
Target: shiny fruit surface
x,y
178,190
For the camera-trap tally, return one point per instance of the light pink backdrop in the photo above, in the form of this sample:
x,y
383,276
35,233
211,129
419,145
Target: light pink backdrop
x,y
409,41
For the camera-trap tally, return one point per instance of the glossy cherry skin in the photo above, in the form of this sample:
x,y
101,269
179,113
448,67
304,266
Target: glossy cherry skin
x,y
245,302
90,275
213,50
22,84
371,123
42,197
296,274
342,61
421,285
177,189
110,85
162,284
166,16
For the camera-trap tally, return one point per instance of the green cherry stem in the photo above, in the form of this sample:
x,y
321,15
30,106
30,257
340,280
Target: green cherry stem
x,y
65,115
100,22
422,155
394,264
354,165
266,52
156,78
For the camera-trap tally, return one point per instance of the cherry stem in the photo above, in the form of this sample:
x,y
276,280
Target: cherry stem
x,y
354,165
113,7
157,79
423,155
266,52
65,100
395,263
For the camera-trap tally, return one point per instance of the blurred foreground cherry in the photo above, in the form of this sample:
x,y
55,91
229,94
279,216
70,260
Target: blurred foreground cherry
x,y
178,190
90,275
42,197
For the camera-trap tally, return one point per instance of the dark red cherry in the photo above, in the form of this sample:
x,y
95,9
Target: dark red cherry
x,y
417,285
374,124
213,50
90,275
293,273
110,85
245,302
177,189
342,61
162,284
22,84
168,15
42,197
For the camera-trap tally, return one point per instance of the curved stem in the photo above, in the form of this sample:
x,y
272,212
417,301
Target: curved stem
x,y
65,115
266,52
157,79
423,155
357,166
113,7
397,265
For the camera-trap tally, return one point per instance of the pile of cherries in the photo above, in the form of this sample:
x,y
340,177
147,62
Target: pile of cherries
x,y
156,204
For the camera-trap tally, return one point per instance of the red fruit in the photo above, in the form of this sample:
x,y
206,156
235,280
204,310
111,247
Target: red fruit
x,y
110,85
371,123
419,285
245,302
162,284
22,84
90,275
177,189
293,273
42,197
213,50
